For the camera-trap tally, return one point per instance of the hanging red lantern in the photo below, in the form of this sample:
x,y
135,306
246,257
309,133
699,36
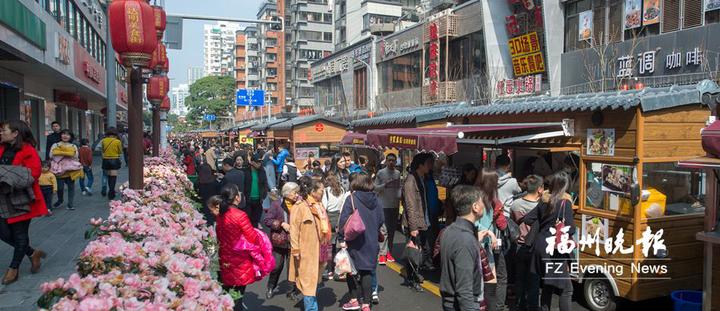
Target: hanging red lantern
x,y
160,20
166,65
157,88
132,31
165,104
159,58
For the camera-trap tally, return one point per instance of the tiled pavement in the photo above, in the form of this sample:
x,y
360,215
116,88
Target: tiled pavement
x,y
62,237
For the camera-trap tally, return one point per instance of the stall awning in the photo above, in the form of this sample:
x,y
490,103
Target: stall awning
x,y
445,140
353,140
701,162
255,134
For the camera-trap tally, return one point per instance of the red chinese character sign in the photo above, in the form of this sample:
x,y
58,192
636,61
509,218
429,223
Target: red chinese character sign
x,y
319,127
434,55
519,86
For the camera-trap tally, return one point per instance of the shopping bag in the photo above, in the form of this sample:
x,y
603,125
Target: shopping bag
x,y
343,263
354,226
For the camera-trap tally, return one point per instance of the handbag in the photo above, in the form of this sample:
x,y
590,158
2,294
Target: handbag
x,y
560,225
354,226
279,239
325,252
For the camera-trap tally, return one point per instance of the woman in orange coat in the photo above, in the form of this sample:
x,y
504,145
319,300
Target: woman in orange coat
x,y
18,148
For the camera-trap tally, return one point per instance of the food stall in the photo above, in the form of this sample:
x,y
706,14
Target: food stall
x,y
622,153
710,236
308,135
261,132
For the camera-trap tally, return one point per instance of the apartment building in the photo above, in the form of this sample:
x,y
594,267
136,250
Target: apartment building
x,y
177,99
382,15
271,54
219,47
310,38
194,74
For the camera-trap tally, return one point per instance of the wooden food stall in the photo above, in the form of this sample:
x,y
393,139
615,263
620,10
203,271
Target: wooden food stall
x,y
622,151
261,131
310,134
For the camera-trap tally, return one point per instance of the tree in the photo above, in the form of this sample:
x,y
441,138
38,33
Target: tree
x,y
211,95
179,125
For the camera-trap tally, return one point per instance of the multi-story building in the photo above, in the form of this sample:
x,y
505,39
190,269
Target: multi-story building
x,y
271,55
177,99
194,74
309,39
52,66
219,47
355,18
663,43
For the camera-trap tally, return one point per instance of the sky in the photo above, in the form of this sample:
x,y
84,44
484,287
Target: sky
x,y
192,47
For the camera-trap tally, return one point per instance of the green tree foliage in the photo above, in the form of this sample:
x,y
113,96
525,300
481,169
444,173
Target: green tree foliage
x,y
179,125
211,95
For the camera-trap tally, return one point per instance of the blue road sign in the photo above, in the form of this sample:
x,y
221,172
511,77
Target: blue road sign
x,y
242,97
210,117
257,98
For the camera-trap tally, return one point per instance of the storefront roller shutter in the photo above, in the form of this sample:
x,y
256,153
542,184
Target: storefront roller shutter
x,y
692,13
671,15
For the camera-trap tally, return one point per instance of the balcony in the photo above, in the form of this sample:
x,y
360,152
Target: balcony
x,y
448,26
382,29
447,92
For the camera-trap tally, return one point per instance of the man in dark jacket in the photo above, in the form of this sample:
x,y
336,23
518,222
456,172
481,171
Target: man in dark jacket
x,y
233,176
256,187
461,278
53,138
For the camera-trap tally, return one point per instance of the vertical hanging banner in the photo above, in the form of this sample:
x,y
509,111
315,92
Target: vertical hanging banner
x,y
434,64
632,14
585,29
651,12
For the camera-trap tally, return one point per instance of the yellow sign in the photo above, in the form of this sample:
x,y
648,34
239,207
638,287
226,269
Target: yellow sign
x,y
528,64
358,141
402,140
243,139
525,44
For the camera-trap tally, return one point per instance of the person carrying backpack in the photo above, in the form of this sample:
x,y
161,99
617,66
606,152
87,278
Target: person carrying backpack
x,y
527,284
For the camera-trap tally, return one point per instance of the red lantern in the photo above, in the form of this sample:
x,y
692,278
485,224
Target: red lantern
x,y
166,65
160,20
132,30
157,88
165,105
159,58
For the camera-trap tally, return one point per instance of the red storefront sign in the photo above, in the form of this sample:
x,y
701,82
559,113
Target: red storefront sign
x,y
434,64
319,127
88,69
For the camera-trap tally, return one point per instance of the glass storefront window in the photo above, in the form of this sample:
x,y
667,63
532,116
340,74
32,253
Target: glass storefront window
x,y
50,116
683,189
326,150
401,73
608,186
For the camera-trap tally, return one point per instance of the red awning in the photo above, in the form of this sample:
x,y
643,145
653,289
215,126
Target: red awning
x,y
254,134
353,139
439,140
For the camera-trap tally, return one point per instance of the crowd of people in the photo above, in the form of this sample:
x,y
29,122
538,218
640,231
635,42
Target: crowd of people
x,y
488,238
30,185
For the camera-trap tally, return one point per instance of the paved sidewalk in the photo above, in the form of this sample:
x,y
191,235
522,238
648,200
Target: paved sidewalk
x,y
62,237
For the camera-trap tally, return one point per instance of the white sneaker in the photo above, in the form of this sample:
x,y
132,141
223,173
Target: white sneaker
x,y
89,192
375,297
84,192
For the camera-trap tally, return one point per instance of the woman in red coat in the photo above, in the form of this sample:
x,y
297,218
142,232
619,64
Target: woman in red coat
x,y
236,270
189,162
18,148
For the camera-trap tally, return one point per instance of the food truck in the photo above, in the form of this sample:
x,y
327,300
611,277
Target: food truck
x,y
621,150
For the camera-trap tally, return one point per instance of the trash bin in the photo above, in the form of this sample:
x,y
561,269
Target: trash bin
x,y
687,300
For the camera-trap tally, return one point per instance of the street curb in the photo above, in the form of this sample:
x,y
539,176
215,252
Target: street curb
x,y
427,285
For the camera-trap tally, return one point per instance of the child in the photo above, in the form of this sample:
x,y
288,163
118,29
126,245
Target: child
x,y
48,185
86,158
213,204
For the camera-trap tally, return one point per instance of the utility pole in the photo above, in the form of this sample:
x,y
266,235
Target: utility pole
x,y
111,96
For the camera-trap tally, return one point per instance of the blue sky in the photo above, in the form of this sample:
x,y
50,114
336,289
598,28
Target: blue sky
x,y
192,52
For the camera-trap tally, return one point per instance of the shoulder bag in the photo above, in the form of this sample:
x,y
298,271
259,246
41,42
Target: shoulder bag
x,y
354,226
